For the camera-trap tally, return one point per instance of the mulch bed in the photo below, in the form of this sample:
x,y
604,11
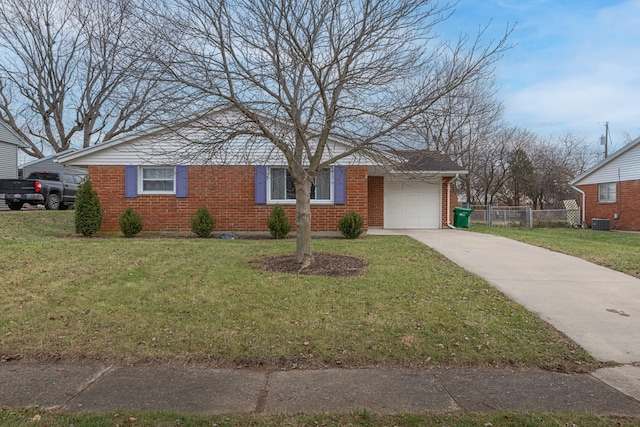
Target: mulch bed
x,y
323,265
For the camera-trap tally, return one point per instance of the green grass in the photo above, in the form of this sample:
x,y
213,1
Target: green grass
x,y
32,417
199,301
186,300
615,250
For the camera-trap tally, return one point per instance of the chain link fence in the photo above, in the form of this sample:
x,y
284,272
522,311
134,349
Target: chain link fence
x,y
523,216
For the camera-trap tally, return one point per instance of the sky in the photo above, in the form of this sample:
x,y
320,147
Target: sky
x,y
574,64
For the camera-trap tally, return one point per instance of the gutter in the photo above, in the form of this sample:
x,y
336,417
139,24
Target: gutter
x,y
582,205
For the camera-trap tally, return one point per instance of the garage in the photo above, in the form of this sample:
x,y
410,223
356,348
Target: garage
x,y
412,204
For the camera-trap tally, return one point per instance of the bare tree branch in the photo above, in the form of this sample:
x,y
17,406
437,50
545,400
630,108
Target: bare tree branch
x,y
77,72
357,71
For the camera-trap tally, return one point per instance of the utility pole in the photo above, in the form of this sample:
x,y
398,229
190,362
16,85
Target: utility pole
x,y
604,140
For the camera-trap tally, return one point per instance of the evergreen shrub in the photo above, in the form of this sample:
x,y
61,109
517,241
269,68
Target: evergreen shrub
x,y
202,224
278,223
130,222
88,212
350,225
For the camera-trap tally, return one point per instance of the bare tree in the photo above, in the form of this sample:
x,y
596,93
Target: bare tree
x,y
72,72
490,169
357,71
460,124
513,164
556,162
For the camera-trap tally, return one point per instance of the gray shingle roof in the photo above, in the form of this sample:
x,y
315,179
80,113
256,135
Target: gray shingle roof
x,y
427,161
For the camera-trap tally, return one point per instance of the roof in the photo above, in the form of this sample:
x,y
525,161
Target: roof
x,y
67,157
173,142
130,137
424,161
53,156
9,136
609,160
408,161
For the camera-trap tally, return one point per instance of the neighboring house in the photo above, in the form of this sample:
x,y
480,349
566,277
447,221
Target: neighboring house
x,y
166,181
612,189
50,163
10,142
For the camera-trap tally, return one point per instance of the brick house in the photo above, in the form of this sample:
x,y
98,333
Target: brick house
x,y
611,189
166,180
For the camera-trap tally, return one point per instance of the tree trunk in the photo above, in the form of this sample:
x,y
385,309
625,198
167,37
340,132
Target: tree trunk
x,y
303,224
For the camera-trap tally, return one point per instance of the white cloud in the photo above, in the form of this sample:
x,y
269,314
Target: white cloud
x,y
574,69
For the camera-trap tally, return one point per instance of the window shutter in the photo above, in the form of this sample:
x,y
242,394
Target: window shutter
x,y
182,181
340,185
130,181
260,184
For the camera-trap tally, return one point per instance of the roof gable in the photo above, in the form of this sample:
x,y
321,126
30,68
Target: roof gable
x,y
194,142
622,165
191,142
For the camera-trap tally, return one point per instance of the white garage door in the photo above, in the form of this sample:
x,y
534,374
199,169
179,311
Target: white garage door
x,y
411,204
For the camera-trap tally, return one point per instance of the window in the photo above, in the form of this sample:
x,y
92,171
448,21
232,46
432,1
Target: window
x,y
282,188
157,180
607,192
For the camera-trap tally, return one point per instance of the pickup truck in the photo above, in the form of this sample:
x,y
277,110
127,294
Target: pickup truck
x,y
55,190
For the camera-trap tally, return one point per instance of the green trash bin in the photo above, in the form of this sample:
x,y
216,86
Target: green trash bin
x,y
461,217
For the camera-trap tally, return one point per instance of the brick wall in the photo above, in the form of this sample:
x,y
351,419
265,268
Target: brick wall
x,y
627,205
226,191
453,202
376,201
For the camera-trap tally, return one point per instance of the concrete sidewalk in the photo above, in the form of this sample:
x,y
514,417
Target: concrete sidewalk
x,y
99,389
596,307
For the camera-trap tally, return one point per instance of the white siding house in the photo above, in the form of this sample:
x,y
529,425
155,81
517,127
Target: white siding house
x,y
10,142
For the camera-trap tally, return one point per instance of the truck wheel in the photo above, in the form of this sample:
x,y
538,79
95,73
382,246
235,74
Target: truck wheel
x,y
53,202
15,206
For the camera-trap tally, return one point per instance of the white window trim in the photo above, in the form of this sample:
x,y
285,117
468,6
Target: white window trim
x,y
325,202
615,192
155,192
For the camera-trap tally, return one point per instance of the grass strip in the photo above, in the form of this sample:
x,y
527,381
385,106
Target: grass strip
x,y
29,417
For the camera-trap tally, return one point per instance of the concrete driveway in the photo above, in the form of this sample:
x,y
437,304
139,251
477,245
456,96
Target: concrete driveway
x,y
596,307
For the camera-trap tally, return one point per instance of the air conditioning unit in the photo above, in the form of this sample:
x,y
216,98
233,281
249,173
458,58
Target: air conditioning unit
x,y
601,224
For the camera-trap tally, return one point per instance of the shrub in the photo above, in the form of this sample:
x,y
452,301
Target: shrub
x,y
88,212
278,223
130,222
202,224
350,225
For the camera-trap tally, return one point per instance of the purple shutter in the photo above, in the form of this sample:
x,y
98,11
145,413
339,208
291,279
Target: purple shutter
x,y
340,185
182,181
260,185
130,181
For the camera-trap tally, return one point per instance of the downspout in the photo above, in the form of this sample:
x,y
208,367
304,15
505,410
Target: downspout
x,y
583,204
449,203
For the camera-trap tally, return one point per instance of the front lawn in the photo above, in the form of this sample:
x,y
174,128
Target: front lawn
x,y
200,301
616,250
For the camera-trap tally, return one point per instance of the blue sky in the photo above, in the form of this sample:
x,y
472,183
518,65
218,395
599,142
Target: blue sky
x,y
575,64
